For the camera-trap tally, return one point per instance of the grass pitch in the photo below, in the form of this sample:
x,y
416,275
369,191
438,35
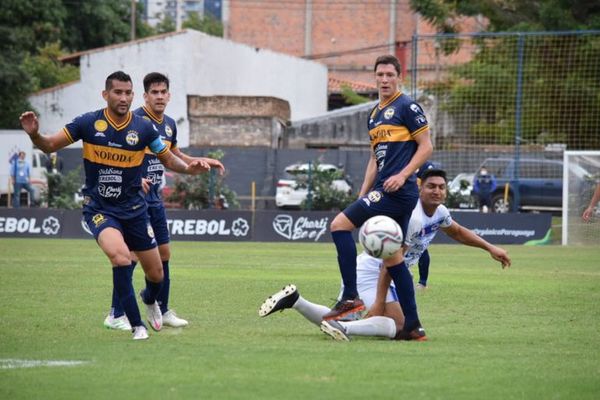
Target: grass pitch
x,y
530,332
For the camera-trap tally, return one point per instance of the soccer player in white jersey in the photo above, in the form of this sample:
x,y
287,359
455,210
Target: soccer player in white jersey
x,y
428,217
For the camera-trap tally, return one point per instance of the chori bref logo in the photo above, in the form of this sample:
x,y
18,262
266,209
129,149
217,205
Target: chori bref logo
x,y
301,228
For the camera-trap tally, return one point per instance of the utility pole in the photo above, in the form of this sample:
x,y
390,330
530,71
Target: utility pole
x,y
133,19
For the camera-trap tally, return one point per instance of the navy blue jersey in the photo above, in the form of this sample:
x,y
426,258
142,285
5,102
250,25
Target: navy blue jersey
x,y
112,159
153,168
393,126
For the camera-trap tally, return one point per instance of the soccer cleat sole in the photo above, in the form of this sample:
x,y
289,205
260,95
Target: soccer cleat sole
x,y
270,305
337,317
334,332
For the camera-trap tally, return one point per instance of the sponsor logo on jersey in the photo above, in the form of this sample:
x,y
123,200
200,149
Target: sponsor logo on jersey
x,y
98,220
374,196
415,108
168,131
132,138
100,125
113,144
389,113
100,134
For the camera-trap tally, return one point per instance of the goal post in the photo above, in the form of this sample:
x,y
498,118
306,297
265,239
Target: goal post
x,y
581,174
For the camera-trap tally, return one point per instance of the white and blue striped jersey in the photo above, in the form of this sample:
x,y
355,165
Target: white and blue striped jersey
x,y
422,229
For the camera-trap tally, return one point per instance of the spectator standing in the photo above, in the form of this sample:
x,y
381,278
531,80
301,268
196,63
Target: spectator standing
x,y
20,173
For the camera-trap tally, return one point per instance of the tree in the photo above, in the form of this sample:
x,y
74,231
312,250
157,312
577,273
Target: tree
x,y
203,191
322,193
559,72
24,25
206,24
95,23
515,15
46,71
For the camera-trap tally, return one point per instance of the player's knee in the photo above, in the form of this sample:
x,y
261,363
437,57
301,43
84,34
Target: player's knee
x,y
155,274
120,258
341,223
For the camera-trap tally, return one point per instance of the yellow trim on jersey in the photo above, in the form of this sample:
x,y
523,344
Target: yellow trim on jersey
x,y
117,127
152,115
389,133
111,156
420,130
68,135
381,106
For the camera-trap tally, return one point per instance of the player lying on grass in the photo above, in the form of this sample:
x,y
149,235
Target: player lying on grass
x,y
384,317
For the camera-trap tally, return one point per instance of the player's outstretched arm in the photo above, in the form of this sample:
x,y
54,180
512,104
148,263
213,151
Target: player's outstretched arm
x,y
211,162
174,163
48,144
470,238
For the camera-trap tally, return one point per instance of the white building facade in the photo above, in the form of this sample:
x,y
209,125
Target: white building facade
x,y
196,64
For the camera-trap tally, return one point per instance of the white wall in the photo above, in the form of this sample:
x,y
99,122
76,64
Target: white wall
x,y
197,64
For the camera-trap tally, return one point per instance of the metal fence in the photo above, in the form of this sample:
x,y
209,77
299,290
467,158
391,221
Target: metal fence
x,y
518,96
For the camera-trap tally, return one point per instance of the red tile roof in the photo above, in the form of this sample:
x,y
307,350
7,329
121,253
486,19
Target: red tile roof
x,y
335,85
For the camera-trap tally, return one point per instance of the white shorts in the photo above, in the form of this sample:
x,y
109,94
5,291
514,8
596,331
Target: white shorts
x,y
367,275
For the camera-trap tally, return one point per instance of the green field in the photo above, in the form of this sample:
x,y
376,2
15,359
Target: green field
x,y
530,332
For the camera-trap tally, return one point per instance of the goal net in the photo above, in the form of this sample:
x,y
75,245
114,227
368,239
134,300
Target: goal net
x,y
581,174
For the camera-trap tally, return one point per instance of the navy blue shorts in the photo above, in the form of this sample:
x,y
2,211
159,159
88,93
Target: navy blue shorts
x,y
137,232
380,203
158,220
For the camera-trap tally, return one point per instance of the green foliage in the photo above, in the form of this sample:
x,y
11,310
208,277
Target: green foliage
x,y
46,71
166,25
322,194
62,188
556,76
351,96
15,85
206,24
208,190
96,23
515,15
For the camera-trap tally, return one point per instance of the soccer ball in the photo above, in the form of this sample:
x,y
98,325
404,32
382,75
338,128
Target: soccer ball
x,y
380,236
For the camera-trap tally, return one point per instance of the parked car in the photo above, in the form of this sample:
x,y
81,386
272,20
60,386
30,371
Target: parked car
x,y
290,192
540,183
459,191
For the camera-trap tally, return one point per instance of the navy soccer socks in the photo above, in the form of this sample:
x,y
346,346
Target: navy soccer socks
x,y
346,250
117,310
406,294
125,294
424,268
163,296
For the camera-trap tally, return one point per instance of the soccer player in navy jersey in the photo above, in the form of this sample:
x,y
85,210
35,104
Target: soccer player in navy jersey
x,y
114,208
156,98
400,143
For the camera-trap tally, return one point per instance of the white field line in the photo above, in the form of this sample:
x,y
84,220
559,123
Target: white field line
x,y
12,363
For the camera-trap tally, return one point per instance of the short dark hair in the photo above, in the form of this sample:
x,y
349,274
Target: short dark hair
x,y
388,59
116,76
433,172
154,77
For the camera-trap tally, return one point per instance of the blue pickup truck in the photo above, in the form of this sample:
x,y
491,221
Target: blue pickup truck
x,y
540,183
